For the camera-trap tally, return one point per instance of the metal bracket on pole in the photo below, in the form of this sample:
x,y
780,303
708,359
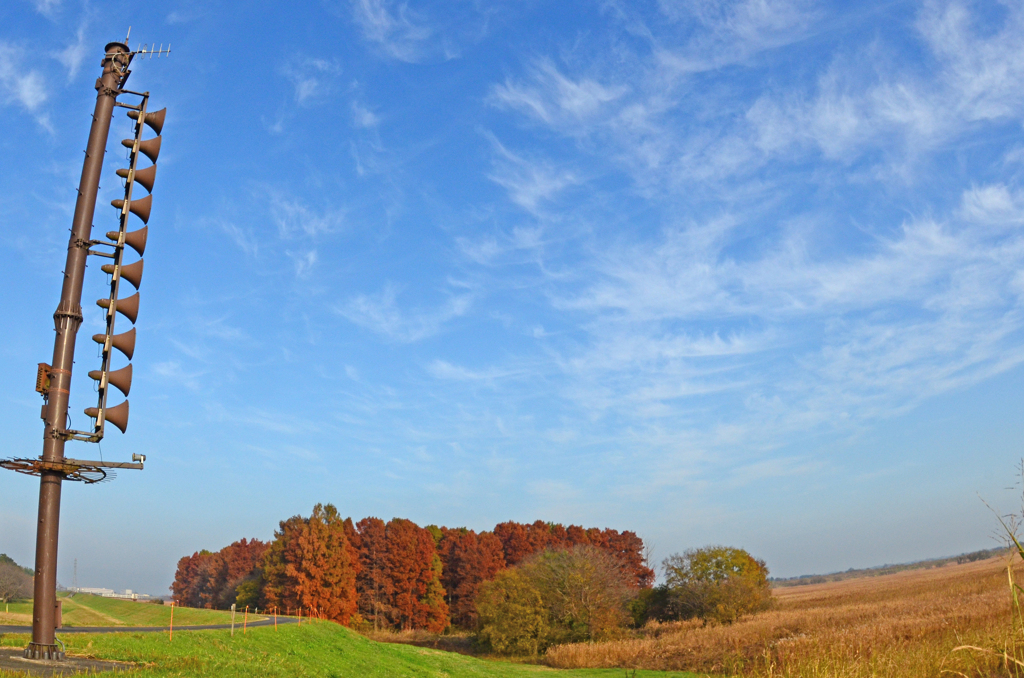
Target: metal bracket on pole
x,y
88,472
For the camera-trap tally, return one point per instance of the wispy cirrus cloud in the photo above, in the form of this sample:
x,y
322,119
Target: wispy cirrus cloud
x,y
304,262
866,103
399,31
724,33
529,182
48,8
937,306
555,99
431,31
312,79
746,323
973,76
243,237
293,217
382,314
74,54
21,84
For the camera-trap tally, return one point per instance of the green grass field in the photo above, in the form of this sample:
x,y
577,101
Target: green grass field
x,y
86,610
317,649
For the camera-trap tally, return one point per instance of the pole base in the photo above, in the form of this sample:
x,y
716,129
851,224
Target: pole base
x,y
46,652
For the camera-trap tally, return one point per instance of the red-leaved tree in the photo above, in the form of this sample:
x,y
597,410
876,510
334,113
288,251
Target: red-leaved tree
x,y
413,570
309,566
469,559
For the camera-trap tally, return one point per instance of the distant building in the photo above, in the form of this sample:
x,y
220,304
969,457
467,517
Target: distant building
x,y
110,593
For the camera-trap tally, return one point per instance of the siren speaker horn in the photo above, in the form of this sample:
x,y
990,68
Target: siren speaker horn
x,y
139,208
118,416
155,120
121,378
151,147
132,272
143,177
128,307
124,342
136,239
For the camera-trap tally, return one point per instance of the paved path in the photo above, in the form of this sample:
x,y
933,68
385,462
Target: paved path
x,y
146,629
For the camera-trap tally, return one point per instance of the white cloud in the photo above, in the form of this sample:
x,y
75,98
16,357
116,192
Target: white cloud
x,y
381,314
304,262
20,84
993,204
425,31
442,369
732,32
47,8
364,117
395,28
74,54
529,182
648,114
244,238
938,306
294,218
185,15
312,79
172,371
869,99
555,99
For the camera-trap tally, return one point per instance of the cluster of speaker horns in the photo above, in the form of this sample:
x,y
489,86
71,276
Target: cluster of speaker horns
x,y
128,306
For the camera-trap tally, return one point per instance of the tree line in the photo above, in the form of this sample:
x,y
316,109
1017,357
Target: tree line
x,y
15,581
393,575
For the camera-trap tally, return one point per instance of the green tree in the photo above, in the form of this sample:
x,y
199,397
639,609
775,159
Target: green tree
x,y
555,596
247,594
512,614
715,583
584,589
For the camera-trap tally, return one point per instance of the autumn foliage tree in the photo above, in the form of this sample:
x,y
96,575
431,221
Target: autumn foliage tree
x,y
413,570
560,595
393,575
469,559
15,581
715,583
519,541
212,579
373,587
309,565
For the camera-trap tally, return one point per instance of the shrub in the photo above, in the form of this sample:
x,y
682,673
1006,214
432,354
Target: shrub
x,y
715,583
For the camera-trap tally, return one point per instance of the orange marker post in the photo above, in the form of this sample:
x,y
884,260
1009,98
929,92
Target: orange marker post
x,y
245,619
275,617
170,635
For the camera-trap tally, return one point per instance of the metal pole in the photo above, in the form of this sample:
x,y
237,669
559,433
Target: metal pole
x,y
67,319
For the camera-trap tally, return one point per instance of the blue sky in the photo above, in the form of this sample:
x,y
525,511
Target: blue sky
x,y
734,272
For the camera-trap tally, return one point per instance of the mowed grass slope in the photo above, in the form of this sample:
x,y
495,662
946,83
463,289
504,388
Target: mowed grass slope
x,y
905,625
314,650
86,610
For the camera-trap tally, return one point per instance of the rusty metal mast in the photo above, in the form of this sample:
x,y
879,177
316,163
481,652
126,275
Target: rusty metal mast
x,y
54,381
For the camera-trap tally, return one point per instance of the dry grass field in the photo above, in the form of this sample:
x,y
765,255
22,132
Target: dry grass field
x,y
904,625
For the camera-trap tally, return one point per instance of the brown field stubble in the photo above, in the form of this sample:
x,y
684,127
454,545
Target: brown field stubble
x,y
902,625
